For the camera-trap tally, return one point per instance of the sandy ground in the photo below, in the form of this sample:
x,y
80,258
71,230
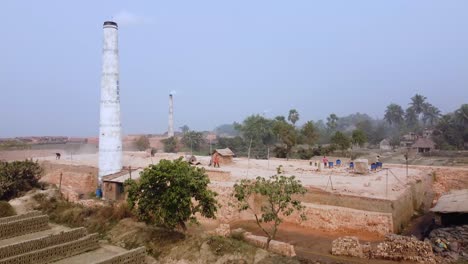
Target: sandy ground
x,y
383,184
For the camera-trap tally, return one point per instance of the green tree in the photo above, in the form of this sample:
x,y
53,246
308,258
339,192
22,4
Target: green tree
x,y
461,115
193,140
293,116
170,193
287,135
257,128
359,137
184,129
341,141
142,143
309,133
17,177
418,103
430,114
332,121
394,114
411,118
278,200
236,144
449,133
170,144
280,118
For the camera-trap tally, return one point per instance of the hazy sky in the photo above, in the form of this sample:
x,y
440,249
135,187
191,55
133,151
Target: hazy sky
x,y
226,60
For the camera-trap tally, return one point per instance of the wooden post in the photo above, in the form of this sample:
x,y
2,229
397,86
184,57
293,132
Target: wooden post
x,y
60,184
386,185
248,157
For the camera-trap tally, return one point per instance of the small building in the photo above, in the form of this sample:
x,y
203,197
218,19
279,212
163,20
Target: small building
x,y
452,208
225,155
385,144
423,145
113,185
408,139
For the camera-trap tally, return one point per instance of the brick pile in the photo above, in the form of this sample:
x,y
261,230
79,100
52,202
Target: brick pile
x,y
403,248
347,246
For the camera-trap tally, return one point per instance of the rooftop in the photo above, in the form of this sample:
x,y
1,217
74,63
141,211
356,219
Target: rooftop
x,y
454,202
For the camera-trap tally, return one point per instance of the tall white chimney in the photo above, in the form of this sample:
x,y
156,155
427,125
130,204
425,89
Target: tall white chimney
x,y
170,131
110,137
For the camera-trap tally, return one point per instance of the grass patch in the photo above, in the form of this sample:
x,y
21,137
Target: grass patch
x,y
221,246
6,209
95,219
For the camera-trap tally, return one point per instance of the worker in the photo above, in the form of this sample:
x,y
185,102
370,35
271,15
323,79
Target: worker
x,y
325,161
216,160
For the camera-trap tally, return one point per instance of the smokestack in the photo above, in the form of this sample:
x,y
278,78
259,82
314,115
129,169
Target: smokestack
x,y
110,138
170,131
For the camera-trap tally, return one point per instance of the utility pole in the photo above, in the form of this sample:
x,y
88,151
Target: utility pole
x,y
211,151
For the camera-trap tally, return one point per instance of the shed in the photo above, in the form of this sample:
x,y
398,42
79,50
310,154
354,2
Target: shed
x,y
113,185
225,155
423,145
452,208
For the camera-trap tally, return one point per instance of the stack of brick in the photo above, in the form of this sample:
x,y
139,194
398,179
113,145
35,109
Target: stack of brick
x,y
277,247
347,246
403,248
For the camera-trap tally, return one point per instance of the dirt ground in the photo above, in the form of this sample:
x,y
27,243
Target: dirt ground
x,y
383,184
314,244
309,243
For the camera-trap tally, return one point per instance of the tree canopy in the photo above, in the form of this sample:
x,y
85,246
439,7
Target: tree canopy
x,y
278,193
341,141
170,193
293,116
193,140
17,177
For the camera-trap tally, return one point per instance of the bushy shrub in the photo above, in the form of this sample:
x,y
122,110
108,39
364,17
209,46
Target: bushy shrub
x,y
6,209
17,177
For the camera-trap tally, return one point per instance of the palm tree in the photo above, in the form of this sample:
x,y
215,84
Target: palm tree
x,y
411,117
394,114
461,115
417,103
293,116
430,114
332,121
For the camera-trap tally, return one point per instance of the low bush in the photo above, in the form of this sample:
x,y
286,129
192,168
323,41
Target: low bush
x,y
18,177
6,209
98,219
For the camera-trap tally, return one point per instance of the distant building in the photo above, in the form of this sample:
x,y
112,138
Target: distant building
x,y
423,145
408,140
385,145
225,155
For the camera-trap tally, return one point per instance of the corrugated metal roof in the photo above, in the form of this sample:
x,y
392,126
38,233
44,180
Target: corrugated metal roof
x,y
122,176
454,202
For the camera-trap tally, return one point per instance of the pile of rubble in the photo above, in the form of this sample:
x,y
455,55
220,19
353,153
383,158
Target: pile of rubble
x,y
395,247
399,248
347,246
451,243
